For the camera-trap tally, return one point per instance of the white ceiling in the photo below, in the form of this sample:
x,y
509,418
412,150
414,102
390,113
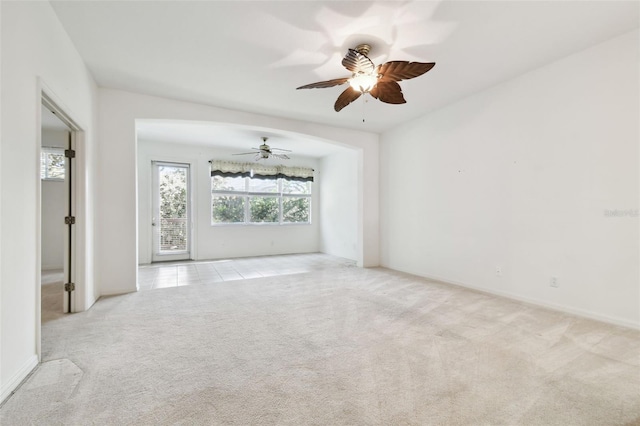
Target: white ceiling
x,y
251,56
232,138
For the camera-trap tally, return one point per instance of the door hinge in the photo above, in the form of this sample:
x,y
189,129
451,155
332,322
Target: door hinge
x,y
70,153
70,220
69,287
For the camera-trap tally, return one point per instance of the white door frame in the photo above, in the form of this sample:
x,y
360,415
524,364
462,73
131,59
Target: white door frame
x,y
156,256
48,99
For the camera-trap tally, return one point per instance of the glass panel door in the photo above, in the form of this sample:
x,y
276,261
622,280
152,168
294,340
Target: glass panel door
x,y
171,214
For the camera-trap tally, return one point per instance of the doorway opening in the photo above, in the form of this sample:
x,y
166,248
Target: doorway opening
x,y
56,177
60,287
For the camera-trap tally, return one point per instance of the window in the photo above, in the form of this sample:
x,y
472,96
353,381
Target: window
x,y
239,198
296,204
52,163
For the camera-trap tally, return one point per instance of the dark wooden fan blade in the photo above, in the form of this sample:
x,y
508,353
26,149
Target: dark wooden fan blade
x,y
356,62
280,149
324,84
388,92
346,97
244,153
402,70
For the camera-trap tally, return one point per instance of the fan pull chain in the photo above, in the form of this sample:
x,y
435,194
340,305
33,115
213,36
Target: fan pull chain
x,y
364,101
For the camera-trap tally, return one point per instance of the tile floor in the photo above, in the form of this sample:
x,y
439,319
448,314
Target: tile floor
x,y
172,274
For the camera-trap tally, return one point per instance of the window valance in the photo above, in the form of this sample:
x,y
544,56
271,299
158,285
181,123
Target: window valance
x,y
260,171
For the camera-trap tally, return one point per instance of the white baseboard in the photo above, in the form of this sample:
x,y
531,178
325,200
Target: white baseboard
x,y
567,309
542,303
116,292
18,377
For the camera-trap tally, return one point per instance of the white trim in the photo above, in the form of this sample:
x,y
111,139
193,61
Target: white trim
x,y
147,160
532,301
156,255
15,381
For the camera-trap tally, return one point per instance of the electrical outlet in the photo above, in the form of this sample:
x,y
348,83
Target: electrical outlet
x,y
553,282
498,271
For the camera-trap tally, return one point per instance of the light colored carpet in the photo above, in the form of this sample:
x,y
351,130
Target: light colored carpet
x,y
340,346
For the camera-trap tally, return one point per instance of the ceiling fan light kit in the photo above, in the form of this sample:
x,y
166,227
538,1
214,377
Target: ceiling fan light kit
x,y
265,151
381,82
363,82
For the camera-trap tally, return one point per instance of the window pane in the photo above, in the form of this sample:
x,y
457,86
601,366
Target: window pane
x,y
264,209
295,210
43,165
173,234
52,163
295,187
263,185
173,192
227,209
56,166
220,183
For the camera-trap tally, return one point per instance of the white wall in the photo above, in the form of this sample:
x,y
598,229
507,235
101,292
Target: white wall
x,y
339,204
520,177
117,188
54,199
7,386
215,242
34,45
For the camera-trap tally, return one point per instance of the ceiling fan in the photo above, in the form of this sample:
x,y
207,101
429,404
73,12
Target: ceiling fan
x,y
265,151
381,82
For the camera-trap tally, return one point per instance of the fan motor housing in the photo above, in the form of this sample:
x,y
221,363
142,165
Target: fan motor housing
x,y
363,48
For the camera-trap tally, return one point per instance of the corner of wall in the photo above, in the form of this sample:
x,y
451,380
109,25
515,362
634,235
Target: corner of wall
x,y
18,377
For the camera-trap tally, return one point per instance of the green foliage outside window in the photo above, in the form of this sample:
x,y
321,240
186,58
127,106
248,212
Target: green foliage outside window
x,y
295,210
295,187
219,183
228,209
264,209
173,192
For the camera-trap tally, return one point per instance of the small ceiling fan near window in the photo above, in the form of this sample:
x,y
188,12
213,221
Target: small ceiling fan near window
x,y
265,151
381,82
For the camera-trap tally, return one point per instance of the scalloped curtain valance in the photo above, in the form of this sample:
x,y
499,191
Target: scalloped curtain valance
x,y
260,171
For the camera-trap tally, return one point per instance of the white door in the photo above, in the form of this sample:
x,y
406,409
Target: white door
x,y
171,212
57,209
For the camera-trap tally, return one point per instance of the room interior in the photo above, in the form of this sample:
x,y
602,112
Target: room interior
x,y
507,185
